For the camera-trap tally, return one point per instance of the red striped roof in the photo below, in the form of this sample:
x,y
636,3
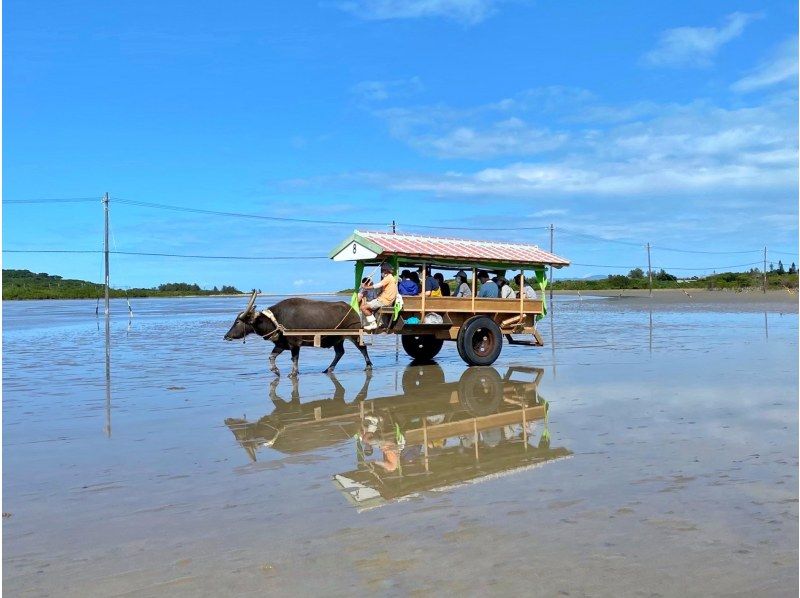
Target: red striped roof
x,y
462,249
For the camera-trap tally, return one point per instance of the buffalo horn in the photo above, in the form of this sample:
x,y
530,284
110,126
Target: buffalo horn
x,y
251,302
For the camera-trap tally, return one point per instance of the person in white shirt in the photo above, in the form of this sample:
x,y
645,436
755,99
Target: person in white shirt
x,y
530,293
462,288
506,292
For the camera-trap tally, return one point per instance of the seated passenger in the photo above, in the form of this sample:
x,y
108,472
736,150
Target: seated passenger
x,y
530,292
506,292
385,299
443,286
407,286
417,281
363,293
488,287
431,284
462,288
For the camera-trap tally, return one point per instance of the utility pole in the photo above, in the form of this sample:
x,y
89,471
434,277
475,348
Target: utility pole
x,y
394,229
649,271
105,247
764,285
551,269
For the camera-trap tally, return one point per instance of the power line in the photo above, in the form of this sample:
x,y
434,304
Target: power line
x,y
477,228
565,231
159,206
704,252
181,255
596,238
52,200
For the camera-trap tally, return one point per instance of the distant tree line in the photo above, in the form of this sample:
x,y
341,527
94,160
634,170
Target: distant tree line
x,y
24,284
637,279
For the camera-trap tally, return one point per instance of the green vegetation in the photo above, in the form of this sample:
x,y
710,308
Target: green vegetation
x,y
24,284
777,278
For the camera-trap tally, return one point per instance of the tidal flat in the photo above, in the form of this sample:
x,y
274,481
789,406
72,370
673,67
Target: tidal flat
x,y
667,464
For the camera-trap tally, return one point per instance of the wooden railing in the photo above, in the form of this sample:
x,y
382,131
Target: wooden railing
x,y
475,305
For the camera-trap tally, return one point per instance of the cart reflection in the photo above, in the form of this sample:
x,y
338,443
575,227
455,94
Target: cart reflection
x,y
436,434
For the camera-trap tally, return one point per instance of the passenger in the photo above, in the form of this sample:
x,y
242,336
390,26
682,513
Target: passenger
x,y
365,294
417,281
443,286
488,287
462,288
385,299
407,286
506,292
431,284
530,292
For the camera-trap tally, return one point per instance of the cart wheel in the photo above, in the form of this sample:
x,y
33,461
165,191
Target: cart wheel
x,y
479,341
480,390
422,347
421,377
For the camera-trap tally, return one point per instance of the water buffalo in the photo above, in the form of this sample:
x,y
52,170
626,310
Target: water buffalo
x,y
298,313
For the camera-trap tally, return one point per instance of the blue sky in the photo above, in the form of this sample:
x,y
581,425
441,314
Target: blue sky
x,y
620,123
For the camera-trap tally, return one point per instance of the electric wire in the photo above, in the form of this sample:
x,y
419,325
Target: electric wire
x,y
179,255
401,225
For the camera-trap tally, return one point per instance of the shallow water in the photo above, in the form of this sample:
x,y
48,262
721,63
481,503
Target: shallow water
x,y
671,467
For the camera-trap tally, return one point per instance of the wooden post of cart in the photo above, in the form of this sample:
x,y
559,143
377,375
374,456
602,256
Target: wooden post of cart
x,y
474,288
422,314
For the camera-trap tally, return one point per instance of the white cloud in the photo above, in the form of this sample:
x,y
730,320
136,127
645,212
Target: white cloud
x,y
780,68
697,147
508,137
302,282
501,128
696,46
379,91
553,212
468,12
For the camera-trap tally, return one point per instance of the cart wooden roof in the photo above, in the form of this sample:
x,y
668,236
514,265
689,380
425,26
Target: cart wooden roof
x,y
378,246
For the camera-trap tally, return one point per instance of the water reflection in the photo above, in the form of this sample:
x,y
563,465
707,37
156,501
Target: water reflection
x,y
108,376
435,434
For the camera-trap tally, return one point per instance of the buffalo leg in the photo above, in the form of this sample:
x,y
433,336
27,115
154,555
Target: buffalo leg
x,y
363,349
295,361
338,348
272,357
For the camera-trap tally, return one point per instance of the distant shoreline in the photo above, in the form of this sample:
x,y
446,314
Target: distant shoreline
x,y
660,296
697,296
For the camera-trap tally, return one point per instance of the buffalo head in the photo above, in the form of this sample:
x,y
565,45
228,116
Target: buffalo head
x,y
243,324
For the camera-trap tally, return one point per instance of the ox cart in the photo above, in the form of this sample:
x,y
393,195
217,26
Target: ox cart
x,y
477,325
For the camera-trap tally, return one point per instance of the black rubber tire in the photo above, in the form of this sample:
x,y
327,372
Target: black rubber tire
x,y
422,347
480,390
479,341
418,378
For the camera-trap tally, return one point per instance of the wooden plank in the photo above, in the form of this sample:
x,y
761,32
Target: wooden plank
x,y
413,303
459,428
313,332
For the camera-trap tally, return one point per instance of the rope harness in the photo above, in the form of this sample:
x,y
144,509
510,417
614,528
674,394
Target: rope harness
x,y
280,328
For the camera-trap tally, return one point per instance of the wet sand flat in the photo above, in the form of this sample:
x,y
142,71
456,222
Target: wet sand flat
x,y
678,474
745,300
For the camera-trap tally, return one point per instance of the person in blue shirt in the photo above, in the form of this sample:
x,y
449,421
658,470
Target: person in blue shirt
x,y
489,288
431,284
407,286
